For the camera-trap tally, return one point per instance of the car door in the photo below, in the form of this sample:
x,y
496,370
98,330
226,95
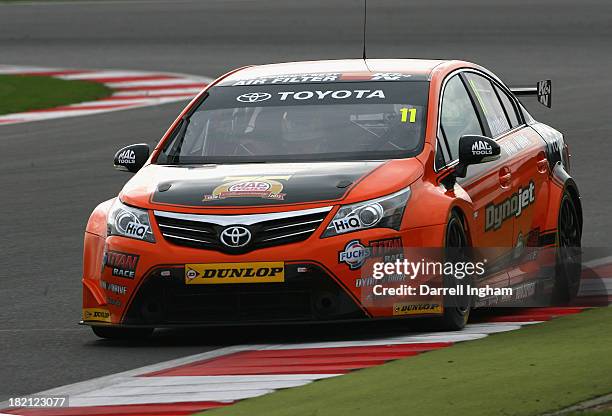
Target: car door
x,y
487,184
526,163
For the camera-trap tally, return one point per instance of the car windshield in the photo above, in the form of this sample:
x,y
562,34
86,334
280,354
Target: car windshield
x,y
303,122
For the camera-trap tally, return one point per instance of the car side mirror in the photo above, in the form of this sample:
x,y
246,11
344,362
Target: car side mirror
x,y
475,149
131,158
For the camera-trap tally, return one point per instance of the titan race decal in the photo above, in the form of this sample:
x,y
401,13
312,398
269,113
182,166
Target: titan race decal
x,y
121,264
514,205
388,249
385,250
251,185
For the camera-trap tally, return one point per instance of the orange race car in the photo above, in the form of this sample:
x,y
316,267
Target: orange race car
x,y
267,196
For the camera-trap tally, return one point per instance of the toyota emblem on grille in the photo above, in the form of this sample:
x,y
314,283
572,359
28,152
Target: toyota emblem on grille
x,y
253,97
235,236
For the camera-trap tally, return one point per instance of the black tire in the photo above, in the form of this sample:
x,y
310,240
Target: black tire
x,y
456,310
569,254
108,332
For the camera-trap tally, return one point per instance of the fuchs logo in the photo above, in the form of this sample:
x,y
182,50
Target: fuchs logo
x,y
514,205
127,157
482,148
335,94
354,254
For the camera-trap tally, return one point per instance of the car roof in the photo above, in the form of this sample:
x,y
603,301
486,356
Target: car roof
x,y
348,69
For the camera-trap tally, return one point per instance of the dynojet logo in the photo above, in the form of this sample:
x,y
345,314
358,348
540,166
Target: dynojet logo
x,y
514,205
221,273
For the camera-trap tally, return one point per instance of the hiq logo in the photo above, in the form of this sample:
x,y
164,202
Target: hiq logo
x,y
135,229
346,224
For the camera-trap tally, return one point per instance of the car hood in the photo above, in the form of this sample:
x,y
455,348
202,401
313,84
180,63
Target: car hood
x,y
276,185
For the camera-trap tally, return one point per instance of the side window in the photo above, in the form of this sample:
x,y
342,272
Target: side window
x,y
458,116
492,108
508,106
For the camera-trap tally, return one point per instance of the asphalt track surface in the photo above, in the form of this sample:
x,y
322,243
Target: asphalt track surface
x,y
53,173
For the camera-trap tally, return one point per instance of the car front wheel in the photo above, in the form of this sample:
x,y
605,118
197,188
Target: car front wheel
x,y
456,309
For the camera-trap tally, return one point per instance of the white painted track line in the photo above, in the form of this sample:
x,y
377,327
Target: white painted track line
x,y
146,92
131,388
224,396
158,92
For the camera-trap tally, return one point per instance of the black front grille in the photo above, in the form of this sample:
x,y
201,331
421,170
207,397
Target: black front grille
x,y
307,294
191,232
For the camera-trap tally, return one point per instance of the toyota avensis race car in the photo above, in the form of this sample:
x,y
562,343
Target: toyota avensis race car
x,y
264,198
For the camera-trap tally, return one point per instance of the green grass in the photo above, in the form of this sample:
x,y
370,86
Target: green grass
x,y
537,369
23,93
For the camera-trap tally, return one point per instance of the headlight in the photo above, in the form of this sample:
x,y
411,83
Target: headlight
x,y
129,222
385,212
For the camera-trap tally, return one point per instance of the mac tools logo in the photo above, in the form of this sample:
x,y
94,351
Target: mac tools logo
x,y
127,157
482,148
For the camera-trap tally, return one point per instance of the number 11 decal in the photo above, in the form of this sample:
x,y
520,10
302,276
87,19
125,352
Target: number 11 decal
x,y
408,111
